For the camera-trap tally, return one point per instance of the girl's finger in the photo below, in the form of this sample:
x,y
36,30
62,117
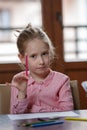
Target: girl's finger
x,y
10,84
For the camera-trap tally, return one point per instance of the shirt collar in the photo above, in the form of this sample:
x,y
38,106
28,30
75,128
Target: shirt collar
x,y
46,81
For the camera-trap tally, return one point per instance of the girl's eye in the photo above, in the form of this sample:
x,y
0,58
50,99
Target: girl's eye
x,y
33,56
45,53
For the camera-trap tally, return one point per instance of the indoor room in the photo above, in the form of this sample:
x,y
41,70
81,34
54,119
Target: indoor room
x,y
65,23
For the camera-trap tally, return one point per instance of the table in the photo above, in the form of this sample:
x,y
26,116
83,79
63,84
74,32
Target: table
x,y
7,124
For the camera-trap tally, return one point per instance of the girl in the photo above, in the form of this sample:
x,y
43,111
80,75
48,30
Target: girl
x,y
42,89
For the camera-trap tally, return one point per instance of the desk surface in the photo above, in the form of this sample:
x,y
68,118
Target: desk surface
x,y
7,124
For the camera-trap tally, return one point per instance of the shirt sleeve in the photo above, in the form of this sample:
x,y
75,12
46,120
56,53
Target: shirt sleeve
x,y
65,101
18,106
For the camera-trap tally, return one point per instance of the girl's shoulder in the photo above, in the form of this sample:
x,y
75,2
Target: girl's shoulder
x,y
60,78
60,75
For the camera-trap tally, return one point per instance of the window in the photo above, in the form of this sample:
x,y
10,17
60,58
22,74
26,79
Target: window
x,y
4,22
16,15
75,30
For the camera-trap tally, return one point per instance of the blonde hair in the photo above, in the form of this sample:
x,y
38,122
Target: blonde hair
x,y
31,33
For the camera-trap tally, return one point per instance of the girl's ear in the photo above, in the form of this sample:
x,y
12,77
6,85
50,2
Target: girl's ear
x,y
22,58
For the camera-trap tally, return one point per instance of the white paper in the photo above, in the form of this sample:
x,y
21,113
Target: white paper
x,y
42,115
84,85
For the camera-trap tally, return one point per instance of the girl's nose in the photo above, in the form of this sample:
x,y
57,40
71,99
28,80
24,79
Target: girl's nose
x,y
41,61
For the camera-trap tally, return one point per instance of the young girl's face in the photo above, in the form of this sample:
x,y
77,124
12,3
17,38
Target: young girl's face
x,y
38,57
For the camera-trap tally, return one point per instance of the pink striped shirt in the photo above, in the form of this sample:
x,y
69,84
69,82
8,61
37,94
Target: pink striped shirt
x,y
53,94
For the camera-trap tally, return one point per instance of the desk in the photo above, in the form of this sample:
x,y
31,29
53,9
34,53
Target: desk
x,y
7,124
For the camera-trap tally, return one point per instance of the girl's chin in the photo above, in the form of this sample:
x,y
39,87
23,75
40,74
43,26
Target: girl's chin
x,y
43,71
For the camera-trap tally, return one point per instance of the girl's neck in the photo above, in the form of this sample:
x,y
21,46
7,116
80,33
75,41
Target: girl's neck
x,y
39,78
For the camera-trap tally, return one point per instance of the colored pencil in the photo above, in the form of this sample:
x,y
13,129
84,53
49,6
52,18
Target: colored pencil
x,y
46,123
75,119
26,60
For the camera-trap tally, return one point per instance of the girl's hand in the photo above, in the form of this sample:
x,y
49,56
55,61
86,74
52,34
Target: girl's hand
x,y
20,82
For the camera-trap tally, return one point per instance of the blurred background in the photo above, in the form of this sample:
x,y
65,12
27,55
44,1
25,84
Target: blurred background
x,y
65,21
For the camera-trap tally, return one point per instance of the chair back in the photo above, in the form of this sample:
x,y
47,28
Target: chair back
x,y
75,94
4,99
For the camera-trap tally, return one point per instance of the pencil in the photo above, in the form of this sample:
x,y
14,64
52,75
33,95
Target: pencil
x,y
26,60
44,123
75,119
48,123
30,124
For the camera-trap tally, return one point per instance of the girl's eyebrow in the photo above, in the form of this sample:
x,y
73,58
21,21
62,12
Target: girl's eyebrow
x,y
45,51
32,54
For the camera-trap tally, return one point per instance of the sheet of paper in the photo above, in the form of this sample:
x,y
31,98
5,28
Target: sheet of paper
x,y
43,115
84,85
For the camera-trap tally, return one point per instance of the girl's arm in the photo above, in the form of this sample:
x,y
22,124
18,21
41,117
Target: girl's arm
x,y
19,101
